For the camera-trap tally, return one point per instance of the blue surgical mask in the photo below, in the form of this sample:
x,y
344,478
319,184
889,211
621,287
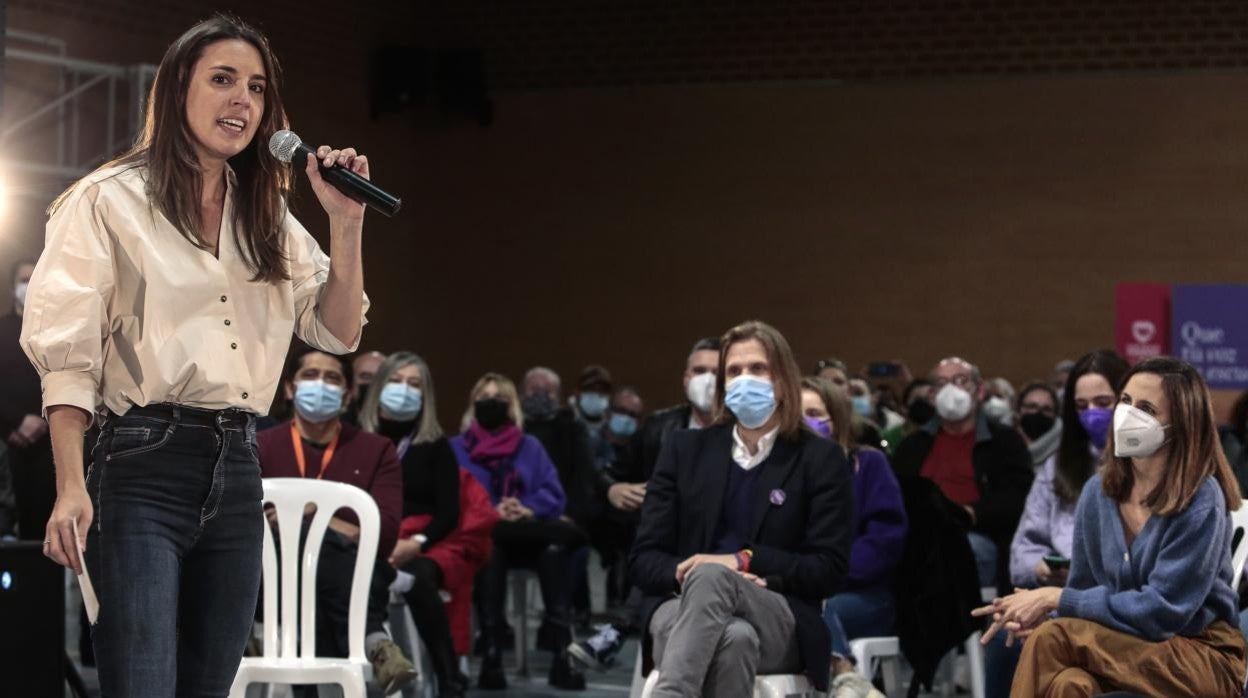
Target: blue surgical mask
x,y
593,405
401,401
752,400
317,401
622,425
862,405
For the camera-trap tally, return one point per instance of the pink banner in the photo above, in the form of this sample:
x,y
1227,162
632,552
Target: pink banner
x,y
1142,328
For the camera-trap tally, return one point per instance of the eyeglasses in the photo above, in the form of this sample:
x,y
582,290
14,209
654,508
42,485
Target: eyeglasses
x,y
962,380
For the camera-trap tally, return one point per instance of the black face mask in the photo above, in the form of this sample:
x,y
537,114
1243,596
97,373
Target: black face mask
x,y
538,406
1035,425
921,412
491,413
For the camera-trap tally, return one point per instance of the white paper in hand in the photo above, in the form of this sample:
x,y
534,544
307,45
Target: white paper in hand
x,y
84,582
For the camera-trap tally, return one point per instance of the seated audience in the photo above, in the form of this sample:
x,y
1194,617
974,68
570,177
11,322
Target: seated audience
x,y
1148,606
978,464
317,444
623,484
745,530
591,404
431,553
834,370
570,444
867,606
524,488
999,401
363,367
1038,421
612,529
697,412
1046,531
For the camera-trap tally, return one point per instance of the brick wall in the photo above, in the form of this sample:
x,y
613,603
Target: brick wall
x,y
574,43
895,216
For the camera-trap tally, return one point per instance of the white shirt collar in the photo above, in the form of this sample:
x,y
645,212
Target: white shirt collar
x,y
741,452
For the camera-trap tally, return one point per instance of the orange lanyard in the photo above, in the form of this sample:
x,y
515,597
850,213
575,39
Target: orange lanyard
x,y
297,440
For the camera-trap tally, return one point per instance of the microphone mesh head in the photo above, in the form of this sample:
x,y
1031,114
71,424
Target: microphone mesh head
x,y
283,144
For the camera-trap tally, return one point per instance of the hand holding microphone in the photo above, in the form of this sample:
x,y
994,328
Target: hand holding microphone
x,y
345,170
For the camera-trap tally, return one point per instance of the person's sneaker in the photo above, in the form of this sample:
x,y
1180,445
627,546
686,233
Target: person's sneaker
x,y
391,670
598,652
853,685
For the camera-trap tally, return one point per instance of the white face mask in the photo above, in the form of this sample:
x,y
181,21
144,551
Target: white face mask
x,y
19,294
701,391
954,404
1137,434
997,409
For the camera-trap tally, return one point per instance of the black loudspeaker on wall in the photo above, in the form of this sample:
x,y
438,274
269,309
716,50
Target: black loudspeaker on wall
x,y
452,81
32,621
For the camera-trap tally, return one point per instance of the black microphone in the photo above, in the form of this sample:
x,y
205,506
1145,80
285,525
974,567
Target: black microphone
x,y
285,145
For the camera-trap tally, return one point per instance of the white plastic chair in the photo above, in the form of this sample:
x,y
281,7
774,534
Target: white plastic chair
x,y
522,582
770,686
1239,551
884,653
289,658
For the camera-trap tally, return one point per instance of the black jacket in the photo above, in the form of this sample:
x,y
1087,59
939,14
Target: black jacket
x,y
646,445
937,582
567,443
1002,470
801,547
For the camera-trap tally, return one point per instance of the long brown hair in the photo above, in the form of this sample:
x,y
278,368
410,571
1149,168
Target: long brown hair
x,y
836,401
785,376
1075,465
166,146
1195,451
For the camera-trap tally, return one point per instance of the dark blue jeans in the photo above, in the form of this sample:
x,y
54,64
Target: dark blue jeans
x,y
174,550
853,614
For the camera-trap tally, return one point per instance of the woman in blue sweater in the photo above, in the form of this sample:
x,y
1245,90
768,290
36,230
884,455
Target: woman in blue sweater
x,y
867,606
1148,606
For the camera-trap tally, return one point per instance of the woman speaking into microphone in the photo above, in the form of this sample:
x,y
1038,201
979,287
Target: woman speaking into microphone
x,y
163,305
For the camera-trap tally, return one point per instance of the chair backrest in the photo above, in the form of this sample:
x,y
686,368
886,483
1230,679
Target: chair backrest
x,y
1239,548
289,496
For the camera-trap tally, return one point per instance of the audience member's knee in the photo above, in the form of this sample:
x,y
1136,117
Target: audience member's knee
x,y
708,574
1074,682
739,636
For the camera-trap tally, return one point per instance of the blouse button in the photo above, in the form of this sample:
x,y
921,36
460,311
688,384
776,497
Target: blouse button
x,y
245,396
227,323
222,299
233,345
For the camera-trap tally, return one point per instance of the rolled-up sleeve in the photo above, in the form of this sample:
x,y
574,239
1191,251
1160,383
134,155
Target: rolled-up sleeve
x,y
309,272
66,320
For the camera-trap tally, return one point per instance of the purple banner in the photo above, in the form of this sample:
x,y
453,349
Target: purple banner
x,y
1210,331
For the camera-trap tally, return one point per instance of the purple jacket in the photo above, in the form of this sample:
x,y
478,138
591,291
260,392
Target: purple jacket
x,y
539,481
1047,528
879,523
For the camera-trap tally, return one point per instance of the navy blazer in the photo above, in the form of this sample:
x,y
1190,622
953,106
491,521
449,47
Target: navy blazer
x,y
801,546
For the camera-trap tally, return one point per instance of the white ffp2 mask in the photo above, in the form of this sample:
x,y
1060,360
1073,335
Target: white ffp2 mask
x,y
1137,434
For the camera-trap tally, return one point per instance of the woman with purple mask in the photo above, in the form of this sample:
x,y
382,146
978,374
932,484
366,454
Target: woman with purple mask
x,y
867,606
1040,551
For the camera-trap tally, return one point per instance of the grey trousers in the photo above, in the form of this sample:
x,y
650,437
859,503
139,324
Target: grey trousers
x,y
720,633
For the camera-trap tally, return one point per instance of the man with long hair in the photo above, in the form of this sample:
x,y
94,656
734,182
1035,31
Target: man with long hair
x,y
750,523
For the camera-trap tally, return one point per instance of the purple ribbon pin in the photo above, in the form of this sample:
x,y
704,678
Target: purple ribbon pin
x,y
776,497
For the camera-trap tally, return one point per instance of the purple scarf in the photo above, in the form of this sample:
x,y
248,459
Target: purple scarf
x,y
496,453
